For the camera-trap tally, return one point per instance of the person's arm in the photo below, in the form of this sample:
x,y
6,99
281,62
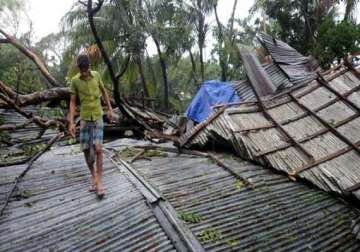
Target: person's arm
x,y
107,101
72,109
72,129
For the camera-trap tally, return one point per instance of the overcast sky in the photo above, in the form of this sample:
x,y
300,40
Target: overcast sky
x,y
46,16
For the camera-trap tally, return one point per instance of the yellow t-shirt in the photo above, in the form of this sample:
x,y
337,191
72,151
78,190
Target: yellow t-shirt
x,y
89,93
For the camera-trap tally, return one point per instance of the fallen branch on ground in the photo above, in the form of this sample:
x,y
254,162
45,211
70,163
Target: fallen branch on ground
x,y
32,160
137,156
37,120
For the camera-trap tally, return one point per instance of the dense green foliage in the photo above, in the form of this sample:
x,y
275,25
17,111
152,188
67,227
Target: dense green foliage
x,y
336,40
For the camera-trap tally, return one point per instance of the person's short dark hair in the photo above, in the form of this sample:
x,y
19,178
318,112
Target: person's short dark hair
x,y
83,61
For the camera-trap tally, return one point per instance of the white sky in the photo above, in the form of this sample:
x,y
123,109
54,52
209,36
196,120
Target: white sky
x,y
46,15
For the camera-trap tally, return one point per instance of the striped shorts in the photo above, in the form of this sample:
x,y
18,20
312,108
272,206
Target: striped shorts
x,y
91,131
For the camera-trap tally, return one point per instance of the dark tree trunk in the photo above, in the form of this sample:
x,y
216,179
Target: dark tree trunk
x,y
151,69
142,75
164,75
193,65
201,38
309,31
222,60
202,67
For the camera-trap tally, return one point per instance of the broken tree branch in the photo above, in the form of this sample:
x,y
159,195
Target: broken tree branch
x,y
32,160
137,156
37,120
31,55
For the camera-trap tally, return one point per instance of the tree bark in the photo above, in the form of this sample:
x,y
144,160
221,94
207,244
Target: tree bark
x,y
53,94
31,55
201,38
150,67
193,66
202,67
164,75
307,22
142,75
222,59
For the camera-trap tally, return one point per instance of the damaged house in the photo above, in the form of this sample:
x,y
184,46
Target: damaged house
x,y
292,122
310,130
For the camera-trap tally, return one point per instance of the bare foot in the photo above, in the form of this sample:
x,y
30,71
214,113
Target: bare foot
x,y
100,191
92,187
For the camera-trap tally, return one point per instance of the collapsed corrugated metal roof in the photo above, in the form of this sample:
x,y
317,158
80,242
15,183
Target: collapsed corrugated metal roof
x,y
216,209
311,131
53,211
298,68
289,67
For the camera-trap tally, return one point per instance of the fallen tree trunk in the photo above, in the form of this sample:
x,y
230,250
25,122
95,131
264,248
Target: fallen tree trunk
x,y
53,95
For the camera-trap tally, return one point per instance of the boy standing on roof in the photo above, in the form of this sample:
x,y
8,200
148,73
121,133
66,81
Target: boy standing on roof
x,y
88,87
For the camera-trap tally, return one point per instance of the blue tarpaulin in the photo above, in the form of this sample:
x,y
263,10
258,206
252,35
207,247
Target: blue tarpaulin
x,y
211,93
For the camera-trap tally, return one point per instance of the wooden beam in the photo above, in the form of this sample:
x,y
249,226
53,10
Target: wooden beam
x,y
325,84
331,128
323,160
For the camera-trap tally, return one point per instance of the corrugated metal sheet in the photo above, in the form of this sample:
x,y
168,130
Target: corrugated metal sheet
x,y
244,90
9,116
225,215
298,68
61,215
277,76
280,51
